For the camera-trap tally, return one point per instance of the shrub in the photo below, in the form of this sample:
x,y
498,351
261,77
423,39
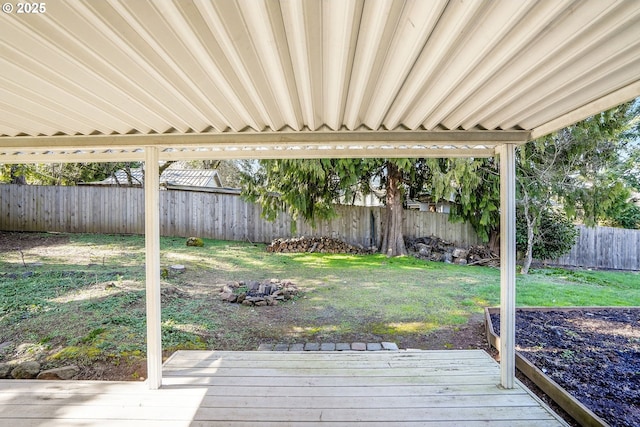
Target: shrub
x,y
554,236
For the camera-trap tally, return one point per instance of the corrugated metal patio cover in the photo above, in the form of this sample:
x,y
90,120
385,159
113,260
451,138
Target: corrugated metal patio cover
x,y
344,67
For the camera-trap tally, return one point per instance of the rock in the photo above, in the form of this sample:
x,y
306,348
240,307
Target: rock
x,y
241,298
461,261
247,302
460,253
195,241
260,303
423,249
63,373
225,296
5,370
447,257
26,370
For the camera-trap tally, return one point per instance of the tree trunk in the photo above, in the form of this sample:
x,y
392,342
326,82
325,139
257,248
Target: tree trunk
x,y
528,257
494,240
392,238
16,175
531,222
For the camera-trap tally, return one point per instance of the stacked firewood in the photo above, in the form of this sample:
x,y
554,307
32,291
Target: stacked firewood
x,y
483,255
314,244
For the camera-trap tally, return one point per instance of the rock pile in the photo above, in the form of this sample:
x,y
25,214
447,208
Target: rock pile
x,y
435,249
31,370
315,244
258,294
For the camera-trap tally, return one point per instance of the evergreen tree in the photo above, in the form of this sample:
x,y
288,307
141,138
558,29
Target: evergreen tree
x,y
308,189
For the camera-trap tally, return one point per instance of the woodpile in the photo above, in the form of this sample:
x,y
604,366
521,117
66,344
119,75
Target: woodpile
x,y
322,245
435,249
253,293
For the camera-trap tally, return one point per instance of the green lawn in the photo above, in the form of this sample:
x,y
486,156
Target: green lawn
x,y
81,297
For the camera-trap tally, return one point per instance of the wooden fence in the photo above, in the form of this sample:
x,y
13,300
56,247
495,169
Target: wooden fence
x,y
604,247
85,209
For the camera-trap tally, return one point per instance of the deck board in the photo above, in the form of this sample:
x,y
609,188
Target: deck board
x,y
202,388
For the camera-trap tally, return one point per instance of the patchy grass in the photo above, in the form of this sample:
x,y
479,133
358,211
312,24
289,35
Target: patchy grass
x,y
82,298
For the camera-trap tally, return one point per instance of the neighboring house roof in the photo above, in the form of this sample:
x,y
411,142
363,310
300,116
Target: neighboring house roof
x,y
180,177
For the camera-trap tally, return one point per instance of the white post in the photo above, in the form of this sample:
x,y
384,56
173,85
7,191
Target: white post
x,y
152,246
507,265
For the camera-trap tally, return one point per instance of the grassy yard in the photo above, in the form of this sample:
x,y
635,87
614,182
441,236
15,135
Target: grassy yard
x,y
81,298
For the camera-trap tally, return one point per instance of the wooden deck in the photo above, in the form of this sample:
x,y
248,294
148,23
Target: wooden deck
x,y
203,388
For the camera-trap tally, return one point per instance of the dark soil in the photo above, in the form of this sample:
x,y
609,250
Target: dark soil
x,y
17,241
594,354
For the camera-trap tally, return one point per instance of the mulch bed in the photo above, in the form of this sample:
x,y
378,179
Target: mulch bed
x,y
593,353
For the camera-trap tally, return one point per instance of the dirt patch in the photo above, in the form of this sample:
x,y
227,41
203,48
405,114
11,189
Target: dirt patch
x,y
594,354
10,241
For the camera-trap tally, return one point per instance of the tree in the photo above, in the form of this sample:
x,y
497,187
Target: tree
x,y
58,173
586,169
308,189
554,236
474,186
596,147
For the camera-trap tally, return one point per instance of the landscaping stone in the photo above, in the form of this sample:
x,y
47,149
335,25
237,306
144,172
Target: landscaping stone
x,y
63,373
257,294
329,346
311,346
358,346
5,370
390,346
26,370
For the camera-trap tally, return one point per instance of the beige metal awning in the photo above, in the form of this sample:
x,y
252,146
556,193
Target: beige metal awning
x,y
249,75
150,80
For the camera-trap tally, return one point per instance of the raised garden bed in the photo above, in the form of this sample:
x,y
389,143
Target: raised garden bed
x,y
587,359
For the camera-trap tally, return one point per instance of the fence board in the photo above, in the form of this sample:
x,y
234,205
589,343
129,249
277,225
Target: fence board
x,y
604,247
184,213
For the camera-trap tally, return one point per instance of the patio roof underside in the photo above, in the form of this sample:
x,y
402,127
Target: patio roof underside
x,y
100,80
